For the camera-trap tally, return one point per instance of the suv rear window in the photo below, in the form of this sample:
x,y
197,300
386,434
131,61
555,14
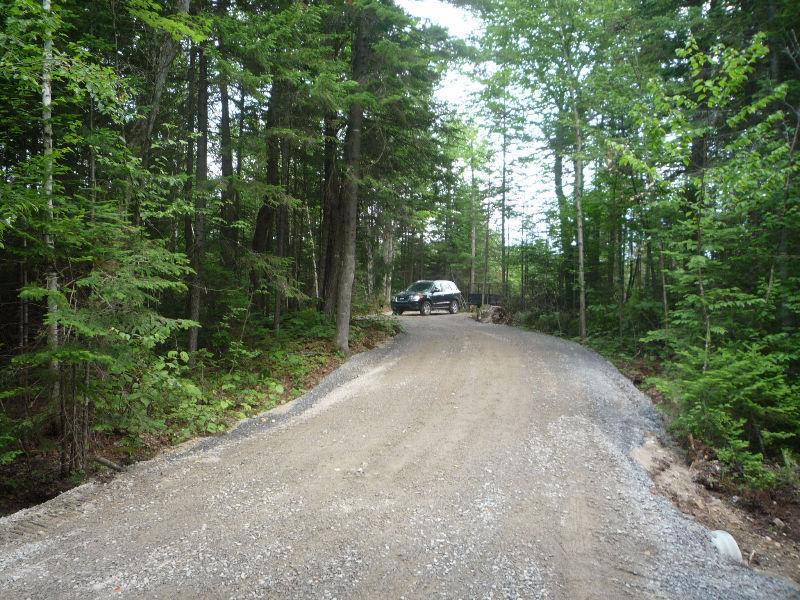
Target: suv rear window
x,y
419,286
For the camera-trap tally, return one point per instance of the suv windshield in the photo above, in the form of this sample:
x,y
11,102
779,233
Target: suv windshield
x,y
419,286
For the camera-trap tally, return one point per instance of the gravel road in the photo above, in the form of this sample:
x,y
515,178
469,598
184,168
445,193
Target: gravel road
x,y
461,460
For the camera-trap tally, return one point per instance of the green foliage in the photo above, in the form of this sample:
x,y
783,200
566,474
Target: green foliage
x,y
308,324
369,326
741,404
691,215
732,381
105,269
9,449
179,26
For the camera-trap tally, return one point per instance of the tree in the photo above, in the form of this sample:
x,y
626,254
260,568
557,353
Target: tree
x,y
667,115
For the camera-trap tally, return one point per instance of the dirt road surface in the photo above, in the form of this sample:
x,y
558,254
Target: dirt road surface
x,y
461,460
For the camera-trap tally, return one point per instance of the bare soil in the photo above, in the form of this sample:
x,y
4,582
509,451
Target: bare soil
x,y
766,544
765,525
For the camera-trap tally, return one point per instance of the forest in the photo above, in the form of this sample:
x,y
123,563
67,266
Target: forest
x,y
204,204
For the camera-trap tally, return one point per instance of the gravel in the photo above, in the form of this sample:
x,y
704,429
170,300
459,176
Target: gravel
x,y
461,460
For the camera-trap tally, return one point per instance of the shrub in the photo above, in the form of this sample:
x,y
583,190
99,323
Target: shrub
x,y
741,405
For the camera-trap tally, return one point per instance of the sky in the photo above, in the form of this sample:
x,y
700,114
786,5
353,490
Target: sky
x,y
459,21
530,185
456,87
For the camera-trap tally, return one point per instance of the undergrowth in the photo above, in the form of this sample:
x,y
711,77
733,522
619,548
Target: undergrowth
x,y
247,368
737,403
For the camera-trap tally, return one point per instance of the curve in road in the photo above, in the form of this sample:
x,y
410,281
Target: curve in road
x,y
461,460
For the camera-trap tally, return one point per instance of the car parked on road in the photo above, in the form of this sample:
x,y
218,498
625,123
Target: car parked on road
x,y
428,295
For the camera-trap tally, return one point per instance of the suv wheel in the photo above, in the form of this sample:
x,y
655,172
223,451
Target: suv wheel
x,y
425,309
453,307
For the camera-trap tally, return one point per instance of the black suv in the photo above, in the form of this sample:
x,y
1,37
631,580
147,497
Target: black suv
x,y
426,296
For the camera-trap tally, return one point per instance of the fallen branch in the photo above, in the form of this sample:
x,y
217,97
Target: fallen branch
x,y
108,463
494,314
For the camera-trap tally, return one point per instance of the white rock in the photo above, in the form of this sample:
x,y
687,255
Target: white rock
x,y
726,545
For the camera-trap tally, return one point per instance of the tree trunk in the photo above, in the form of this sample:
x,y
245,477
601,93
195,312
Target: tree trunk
x,y
578,191
783,255
268,218
296,237
188,189
330,242
142,130
620,273
201,178
24,307
330,225
486,254
565,225
282,233
695,199
262,235
228,208
281,241
473,223
370,265
651,269
352,154
388,261
240,137
503,261
51,279
523,266
664,299
635,274
262,232
611,265
315,270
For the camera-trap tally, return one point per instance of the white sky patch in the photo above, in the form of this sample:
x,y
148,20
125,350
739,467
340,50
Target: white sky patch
x,y
460,22
456,87
530,188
